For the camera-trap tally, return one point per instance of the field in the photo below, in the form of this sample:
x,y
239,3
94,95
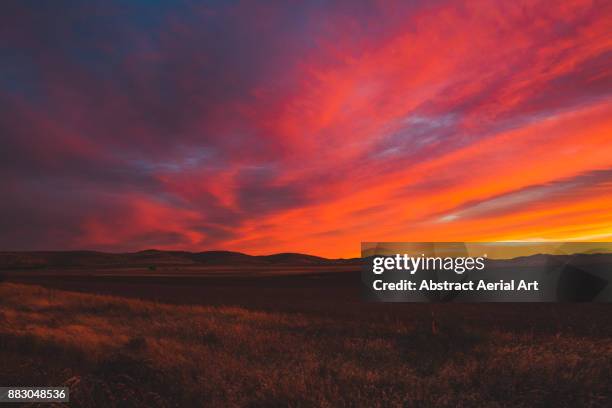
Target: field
x,y
303,340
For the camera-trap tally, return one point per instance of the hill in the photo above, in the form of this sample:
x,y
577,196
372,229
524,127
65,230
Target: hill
x,y
152,257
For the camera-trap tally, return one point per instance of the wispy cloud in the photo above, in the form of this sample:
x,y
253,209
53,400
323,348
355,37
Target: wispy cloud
x,y
311,127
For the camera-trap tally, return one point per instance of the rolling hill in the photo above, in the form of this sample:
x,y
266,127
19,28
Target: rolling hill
x,y
152,257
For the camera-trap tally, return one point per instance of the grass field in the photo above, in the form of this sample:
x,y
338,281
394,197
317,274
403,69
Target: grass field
x,y
121,352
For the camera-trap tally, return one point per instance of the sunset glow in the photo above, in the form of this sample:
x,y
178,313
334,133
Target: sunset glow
x,y
305,127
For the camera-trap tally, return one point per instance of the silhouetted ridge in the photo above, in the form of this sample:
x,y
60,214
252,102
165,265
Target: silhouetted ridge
x,y
222,258
151,257
294,258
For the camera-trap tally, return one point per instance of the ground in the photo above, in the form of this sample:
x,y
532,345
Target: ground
x,y
119,351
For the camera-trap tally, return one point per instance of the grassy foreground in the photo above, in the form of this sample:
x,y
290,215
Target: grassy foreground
x,y
118,352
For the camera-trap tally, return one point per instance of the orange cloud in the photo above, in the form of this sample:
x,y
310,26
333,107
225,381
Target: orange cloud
x,y
324,127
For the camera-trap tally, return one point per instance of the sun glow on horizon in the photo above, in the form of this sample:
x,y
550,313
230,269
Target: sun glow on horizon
x,y
305,128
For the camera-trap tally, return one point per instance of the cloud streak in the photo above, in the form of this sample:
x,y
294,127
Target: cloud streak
x,y
269,127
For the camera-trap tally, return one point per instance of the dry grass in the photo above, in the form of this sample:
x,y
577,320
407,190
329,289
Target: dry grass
x,y
119,352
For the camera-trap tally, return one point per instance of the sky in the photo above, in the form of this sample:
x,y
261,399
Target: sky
x,y
307,126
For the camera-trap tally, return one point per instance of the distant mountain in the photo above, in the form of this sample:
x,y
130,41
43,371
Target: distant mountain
x,y
158,258
538,260
295,258
153,257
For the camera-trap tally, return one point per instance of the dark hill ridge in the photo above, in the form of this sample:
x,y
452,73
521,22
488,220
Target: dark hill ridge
x,y
153,257
538,260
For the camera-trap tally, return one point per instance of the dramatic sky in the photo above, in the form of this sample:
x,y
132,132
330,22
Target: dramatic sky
x,y
303,126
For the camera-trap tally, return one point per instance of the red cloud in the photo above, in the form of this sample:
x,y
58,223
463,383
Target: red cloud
x,y
313,131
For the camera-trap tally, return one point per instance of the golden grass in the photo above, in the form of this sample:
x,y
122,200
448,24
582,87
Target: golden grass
x,y
149,354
